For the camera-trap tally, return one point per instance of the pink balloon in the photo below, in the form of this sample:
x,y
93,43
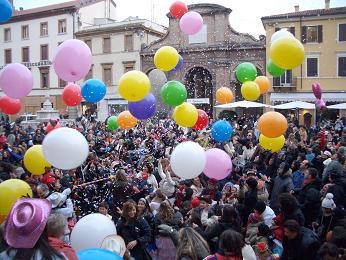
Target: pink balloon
x,y
191,23
72,60
320,104
219,164
16,80
316,89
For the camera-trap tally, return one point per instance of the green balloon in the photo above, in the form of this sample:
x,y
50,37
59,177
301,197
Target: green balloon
x,y
274,70
112,123
246,71
173,93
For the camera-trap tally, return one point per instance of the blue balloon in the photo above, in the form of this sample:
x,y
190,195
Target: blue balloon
x,y
221,131
144,108
96,253
5,11
179,65
93,90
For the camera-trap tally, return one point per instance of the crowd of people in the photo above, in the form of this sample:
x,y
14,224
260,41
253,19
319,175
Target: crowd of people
x,y
284,205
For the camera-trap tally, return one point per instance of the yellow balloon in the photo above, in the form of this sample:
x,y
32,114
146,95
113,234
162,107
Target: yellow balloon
x,y
10,192
34,160
287,53
166,58
272,144
250,91
185,115
134,85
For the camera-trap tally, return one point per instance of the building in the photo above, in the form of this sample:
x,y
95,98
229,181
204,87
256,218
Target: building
x,y
210,56
31,37
323,34
116,49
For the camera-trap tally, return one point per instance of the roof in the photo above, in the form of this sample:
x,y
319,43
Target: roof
x,y
308,13
70,4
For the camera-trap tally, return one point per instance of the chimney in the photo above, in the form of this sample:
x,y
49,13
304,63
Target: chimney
x,y
327,4
296,8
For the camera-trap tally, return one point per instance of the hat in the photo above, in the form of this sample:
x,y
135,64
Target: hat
x,y
115,244
252,183
342,150
195,202
56,198
328,202
260,207
26,222
205,198
329,154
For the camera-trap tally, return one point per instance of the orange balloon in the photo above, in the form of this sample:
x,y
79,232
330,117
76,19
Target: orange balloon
x,y
272,124
263,83
224,95
126,121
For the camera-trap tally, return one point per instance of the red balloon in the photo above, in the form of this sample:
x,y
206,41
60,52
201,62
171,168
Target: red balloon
x,y
202,120
10,106
178,9
50,127
72,95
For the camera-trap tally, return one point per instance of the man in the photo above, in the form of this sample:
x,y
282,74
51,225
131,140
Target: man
x,y
42,191
298,176
336,165
266,213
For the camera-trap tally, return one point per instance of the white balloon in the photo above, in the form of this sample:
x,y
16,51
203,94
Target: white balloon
x,y
65,148
91,230
157,79
283,33
188,160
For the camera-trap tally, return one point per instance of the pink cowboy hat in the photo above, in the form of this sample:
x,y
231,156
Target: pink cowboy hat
x,y
26,222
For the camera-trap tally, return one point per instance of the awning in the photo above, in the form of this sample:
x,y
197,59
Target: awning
x,y
337,106
303,96
244,104
296,104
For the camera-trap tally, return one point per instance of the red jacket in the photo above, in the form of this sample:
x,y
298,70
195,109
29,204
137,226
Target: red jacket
x,y
62,247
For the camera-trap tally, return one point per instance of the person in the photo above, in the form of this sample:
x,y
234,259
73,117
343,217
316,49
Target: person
x,y
265,212
298,176
167,185
121,191
206,211
103,209
25,231
56,227
42,191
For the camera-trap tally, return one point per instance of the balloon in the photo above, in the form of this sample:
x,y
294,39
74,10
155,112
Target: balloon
x,y
157,78
224,95
173,93
72,60
221,131
185,115
263,83
134,85
320,104
16,80
179,65
10,106
272,144
316,89
272,124
178,9
65,148
96,253
95,226
166,58
191,23
72,95
112,123
5,11
188,160
274,70
283,33
202,120
218,165
250,90
126,121
51,127
34,160
246,71
287,53
10,191
93,90
143,109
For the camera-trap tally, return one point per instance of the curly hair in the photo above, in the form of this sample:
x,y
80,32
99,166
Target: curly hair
x,y
128,205
166,212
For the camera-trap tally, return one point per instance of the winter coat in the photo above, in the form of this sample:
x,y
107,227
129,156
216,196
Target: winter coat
x,y
62,247
335,167
282,184
338,189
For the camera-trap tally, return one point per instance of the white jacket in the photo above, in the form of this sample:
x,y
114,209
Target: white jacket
x,y
268,216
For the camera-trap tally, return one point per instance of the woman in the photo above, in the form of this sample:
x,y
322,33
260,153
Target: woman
x,y
135,231
156,201
167,185
197,187
122,191
147,174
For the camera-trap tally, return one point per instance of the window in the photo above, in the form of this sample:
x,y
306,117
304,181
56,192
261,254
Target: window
x,y
62,83
128,66
200,37
88,42
128,42
312,66
44,29
8,56
7,34
342,32
106,45
312,34
25,32
62,26
107,74
44,52
342,65
44,77
25,54
284,80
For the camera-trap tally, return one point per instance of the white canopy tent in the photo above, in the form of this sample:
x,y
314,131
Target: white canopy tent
x,y
338,106
244,104
296,105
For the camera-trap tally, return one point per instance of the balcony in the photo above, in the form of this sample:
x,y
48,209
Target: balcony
x,y
285,81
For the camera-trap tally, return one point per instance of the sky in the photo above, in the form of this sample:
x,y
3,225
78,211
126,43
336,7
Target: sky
x,y
245,17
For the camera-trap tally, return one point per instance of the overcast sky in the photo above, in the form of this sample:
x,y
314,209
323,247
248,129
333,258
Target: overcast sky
x,y
245,16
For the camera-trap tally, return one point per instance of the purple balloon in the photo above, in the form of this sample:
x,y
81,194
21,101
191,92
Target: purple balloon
x,y
179,65
218,165
320,104
316,89
16,80
144,108
72,60
191,23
